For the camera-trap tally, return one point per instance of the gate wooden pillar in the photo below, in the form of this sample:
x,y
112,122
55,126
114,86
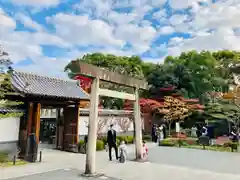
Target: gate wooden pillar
x,y
70,128
37,120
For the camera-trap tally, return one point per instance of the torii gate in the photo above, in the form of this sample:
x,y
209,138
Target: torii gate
x,y
98,74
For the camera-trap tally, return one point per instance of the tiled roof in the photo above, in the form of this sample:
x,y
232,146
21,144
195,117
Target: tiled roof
x,y
31,84
9,110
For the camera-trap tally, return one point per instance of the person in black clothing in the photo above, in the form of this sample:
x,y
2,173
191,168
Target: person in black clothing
x,y
153,133
164,131
198,131
112,142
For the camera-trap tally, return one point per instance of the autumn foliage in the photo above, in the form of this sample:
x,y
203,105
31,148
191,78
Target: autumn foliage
x,y
173,108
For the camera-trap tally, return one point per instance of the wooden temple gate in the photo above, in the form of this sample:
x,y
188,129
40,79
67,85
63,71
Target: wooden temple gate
x,y
39,91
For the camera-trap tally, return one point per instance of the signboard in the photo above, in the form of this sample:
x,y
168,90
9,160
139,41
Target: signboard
x,y
177,127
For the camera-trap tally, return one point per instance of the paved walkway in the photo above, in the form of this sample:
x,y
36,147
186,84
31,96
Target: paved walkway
x,y
164,163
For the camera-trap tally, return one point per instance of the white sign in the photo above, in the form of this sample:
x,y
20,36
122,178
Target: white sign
x,y
177,127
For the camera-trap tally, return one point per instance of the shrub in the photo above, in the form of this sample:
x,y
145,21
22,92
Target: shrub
x,y
99,145
191,141
123,138
232,145
118,142
127,139
130,139
81,142
147,138
179,142
167,142
3,157
104,139
81,146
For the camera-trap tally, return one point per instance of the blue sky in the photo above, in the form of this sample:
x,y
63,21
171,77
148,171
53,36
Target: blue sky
x,y
43,36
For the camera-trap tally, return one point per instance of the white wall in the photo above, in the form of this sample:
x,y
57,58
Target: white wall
x,y
9,129
104,123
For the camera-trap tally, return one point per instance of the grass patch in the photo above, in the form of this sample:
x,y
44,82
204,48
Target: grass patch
x,y
10,163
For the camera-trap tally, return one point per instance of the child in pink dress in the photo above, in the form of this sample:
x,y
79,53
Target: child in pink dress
x,y
145,150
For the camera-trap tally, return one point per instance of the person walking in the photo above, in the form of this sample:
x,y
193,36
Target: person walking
x,y
112,142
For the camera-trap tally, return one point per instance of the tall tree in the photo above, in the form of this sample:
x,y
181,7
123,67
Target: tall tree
x,y
194,74
5,85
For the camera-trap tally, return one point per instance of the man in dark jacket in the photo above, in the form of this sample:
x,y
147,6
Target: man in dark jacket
x,y
112,142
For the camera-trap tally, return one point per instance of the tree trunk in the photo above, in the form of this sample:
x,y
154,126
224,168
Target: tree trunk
x,y
238,131
229,127
169,128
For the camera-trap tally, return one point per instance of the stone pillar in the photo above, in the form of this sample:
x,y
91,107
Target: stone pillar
x,y
138,127
92,129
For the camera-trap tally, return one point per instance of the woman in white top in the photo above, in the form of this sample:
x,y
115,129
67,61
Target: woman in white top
x,y
205,132
160,133
194,131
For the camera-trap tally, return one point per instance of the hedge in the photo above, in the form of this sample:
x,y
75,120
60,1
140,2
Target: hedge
x,y
178,142
99,146
193,143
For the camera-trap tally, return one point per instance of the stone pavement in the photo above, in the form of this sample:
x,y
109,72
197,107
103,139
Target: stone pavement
x,y
66,174
158,166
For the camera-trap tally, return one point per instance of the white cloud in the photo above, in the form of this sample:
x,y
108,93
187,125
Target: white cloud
x,y
116,18
22,45
80,30
36,3
177,19
223,38
28,22
212,27
166,30
175,41
218,15
6,21
160,14
135,34
183,4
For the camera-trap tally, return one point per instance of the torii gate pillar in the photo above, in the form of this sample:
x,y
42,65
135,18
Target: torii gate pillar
x,y
90,167
138,127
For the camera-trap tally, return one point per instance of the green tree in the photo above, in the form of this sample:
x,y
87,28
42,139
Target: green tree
x,y
193,74
5,85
